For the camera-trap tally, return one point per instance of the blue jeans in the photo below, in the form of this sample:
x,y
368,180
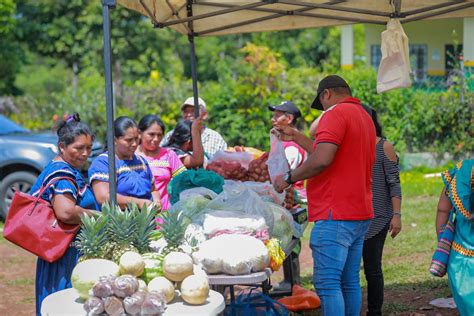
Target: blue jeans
x,y
337,251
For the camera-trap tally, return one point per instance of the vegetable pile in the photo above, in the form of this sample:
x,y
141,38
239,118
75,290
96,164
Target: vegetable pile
x,y
258,169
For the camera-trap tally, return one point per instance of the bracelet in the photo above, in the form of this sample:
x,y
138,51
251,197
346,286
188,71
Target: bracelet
x,y
397,214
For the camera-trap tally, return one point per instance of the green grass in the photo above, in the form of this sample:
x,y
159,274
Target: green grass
x,y
407,257
21,281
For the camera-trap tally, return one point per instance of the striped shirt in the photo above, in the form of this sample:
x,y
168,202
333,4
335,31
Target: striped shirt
x,y
385,185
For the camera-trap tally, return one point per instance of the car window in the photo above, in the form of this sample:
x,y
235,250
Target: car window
x,y
9,127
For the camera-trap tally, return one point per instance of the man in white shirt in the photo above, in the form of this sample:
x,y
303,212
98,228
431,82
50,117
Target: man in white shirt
x,y
212,141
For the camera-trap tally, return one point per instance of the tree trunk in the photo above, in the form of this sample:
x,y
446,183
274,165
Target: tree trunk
x,y
118,84
75,79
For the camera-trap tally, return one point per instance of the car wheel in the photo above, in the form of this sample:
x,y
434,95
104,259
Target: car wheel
x,y
16,181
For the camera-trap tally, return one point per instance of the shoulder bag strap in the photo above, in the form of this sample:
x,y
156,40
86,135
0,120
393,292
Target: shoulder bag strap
x,y
44,187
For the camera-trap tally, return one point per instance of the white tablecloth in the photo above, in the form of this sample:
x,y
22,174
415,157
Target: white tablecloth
x,y
67,302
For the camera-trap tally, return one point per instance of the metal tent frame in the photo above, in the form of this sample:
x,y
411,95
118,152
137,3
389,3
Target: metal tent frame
x,y
336,12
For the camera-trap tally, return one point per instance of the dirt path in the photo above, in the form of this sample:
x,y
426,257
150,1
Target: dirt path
x,y
17,280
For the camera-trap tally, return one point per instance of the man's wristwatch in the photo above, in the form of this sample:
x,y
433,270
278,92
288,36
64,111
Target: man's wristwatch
x,y
287,177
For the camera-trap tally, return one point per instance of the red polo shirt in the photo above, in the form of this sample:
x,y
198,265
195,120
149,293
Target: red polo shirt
x,y
344,189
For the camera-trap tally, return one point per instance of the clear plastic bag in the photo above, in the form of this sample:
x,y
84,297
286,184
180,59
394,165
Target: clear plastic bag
x,y
238,198
243,158
277,163
284,224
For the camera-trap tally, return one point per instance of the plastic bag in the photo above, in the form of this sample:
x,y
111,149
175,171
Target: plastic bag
x,y
237,197
243,158
200,191
266,191
394,69
192,207
277,163
232,254
194,179
284,225
235,222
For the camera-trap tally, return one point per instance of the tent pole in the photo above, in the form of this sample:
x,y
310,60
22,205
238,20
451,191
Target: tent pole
x,y
194,74
109,101
192,53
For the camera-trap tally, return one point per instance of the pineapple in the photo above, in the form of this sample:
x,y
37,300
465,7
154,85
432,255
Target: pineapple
x,y
173,229
145,221
121,229
91,239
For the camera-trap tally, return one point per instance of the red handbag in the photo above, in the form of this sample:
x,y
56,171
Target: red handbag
x,y
32,224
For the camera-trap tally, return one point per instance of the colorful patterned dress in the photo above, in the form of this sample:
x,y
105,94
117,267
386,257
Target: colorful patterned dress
x,y
56,276
134,177
164,166
461,258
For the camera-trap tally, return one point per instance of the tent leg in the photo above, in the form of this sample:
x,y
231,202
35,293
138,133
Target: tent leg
x,y
194,74
106,6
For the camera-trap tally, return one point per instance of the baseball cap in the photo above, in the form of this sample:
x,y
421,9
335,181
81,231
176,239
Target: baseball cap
x,y
332,81
190,102
287,107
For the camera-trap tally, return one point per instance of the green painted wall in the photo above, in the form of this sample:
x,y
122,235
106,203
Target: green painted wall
x,y
434,33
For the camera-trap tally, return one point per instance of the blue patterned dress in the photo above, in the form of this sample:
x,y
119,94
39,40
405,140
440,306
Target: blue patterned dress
x,y
134,177
56,276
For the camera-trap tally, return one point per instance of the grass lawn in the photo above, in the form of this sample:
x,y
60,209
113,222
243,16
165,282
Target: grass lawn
x,y
407,257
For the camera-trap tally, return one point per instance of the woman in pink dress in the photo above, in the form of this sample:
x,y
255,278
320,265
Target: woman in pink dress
x,y
164,163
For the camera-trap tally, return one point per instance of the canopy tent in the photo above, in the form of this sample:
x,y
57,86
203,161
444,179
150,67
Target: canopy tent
x,y
221,17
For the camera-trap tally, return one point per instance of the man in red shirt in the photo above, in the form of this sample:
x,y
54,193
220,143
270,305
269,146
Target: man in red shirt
x,y
339,189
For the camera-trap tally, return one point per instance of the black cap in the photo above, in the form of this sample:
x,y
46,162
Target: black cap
x,y
287,107
332,81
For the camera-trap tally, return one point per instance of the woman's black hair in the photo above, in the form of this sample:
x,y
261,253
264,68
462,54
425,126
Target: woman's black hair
x,y
181,134
378,126
70,128
148,120
121,124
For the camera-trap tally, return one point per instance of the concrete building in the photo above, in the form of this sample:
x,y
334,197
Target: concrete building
x,y
435,46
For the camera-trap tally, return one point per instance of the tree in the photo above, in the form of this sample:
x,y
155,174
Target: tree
x,y
10,51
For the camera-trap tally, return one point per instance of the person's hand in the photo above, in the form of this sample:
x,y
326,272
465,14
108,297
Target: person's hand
x,y
286,133
198,123
395,226
156,205
279,184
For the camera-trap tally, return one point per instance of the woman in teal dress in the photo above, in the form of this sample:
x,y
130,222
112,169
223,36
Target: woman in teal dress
x,y
457,196
69,198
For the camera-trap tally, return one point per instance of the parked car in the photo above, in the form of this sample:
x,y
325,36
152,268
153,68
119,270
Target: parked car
x,y
23,155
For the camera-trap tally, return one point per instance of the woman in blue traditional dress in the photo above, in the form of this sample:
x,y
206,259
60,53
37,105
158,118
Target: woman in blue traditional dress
x,y
69,198
457,196
135,181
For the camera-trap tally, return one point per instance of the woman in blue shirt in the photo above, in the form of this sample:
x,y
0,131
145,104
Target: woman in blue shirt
x,y
70,199
134,177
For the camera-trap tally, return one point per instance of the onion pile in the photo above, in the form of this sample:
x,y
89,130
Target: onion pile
x,y
258,169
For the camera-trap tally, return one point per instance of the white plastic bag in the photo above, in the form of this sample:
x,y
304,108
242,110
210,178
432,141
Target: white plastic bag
x,y
277,163
236,222
233,254
394,69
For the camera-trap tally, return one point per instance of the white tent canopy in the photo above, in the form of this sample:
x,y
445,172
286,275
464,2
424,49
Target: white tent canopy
x,y
220,17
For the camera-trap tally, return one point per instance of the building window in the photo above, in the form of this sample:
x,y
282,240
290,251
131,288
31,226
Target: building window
x,y
419,61
375,55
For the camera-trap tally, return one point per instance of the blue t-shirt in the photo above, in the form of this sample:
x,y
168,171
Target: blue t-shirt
x,y
134,177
